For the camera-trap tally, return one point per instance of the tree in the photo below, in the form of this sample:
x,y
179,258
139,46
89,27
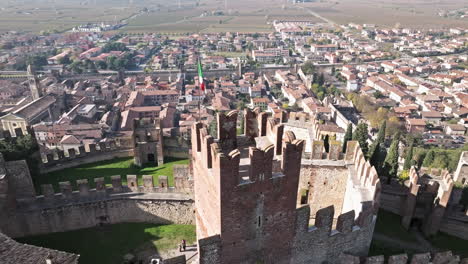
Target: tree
x,y
378,141
308,68
326,143
321,79
114,46
390,167
409,157
464,198
361,135
213,128
76,67
37,61
441,160
21,148
102,65
429,159
64,60
348,136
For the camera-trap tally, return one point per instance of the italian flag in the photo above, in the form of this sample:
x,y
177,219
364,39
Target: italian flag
x,y
200,76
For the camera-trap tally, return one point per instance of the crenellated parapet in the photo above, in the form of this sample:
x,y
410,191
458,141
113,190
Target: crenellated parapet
x,y
227,130
211,152
99,189
245,188
324,241
345,180
421,258
90,150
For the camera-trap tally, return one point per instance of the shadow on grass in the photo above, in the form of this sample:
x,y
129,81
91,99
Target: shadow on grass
x,y
389,224
108,244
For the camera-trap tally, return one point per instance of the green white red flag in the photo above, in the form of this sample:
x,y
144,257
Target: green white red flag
x,y
200,76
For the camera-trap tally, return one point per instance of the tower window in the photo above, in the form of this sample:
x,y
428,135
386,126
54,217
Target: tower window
x,y
259,221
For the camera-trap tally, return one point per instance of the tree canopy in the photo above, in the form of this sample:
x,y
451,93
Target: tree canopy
x,y
390,166
348,136
114,46
361,136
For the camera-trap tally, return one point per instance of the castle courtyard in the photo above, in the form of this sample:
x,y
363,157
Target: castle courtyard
x,y
109,244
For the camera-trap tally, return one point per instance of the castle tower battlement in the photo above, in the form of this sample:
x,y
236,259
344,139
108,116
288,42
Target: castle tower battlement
x,y
245,197
239,193
345,180
427,198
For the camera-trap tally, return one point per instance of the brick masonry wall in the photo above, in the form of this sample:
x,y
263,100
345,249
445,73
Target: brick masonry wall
x,y
321,244
328,186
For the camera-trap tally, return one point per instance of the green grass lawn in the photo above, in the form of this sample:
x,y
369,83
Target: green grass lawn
x,y
108,244
106,169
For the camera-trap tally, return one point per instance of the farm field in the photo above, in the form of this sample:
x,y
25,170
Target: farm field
x,y
115,240
238,18
414,13
106,169
36,17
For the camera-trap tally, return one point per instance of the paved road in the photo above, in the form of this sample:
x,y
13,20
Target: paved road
x,y
326,20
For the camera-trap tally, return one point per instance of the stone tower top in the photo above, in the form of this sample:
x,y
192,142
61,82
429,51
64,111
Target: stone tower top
x,y
34,85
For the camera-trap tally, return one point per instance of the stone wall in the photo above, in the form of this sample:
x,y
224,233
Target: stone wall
x,y
69,210
327,187
394,198
176,147
422,258
392,201
20,179
455,226
51,163
157,210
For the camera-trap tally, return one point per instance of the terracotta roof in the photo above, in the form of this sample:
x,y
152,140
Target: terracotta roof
x,y
416,122
69,139
36,107
431,114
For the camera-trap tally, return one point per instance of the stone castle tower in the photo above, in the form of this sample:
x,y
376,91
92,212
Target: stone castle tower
x,y
147,135
34,84
246,190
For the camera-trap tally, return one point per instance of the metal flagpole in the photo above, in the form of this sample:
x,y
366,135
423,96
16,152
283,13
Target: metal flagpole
x,y
199,90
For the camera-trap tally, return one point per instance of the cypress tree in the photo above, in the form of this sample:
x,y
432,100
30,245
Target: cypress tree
x,y
321,79
348,136
326,143
390,166
409,157
361,135
378,143
429,159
